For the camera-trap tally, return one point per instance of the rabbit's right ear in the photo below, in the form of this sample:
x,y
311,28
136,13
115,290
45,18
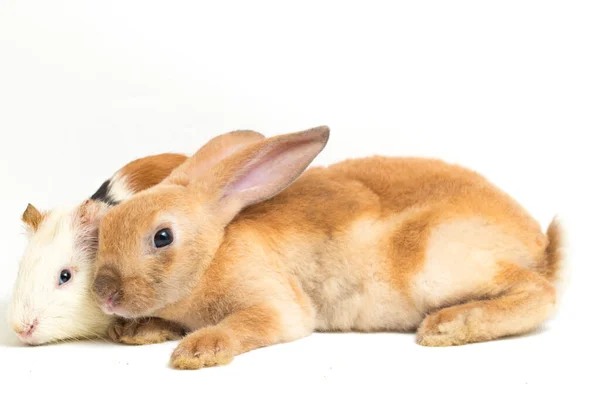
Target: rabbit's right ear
x,y
215,150
261,170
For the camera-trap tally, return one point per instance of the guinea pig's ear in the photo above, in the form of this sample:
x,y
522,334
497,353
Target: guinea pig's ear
x,y
87,220
215,150
261,170
32,218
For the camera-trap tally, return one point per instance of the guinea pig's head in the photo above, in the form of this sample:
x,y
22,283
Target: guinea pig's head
x,y
154,247
51,299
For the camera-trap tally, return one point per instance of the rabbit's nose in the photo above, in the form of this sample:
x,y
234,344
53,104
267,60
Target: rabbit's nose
x,y
112,300
106,286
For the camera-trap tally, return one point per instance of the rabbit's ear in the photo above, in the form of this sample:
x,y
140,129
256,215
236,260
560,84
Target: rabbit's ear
x,y
215,150
261,170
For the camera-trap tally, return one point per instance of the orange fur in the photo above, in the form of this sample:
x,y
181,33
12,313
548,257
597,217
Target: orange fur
x,y
144,331
146,172
369,244
513,289
406,248
212,152
32,217
551,266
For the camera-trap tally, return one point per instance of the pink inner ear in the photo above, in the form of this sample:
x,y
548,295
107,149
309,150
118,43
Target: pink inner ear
x,y
273,170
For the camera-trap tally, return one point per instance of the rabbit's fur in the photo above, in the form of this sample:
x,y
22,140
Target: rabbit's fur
x,y
64,238
372,244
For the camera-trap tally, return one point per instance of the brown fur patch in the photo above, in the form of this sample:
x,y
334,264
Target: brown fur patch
x,y
407,247
33,217
148,171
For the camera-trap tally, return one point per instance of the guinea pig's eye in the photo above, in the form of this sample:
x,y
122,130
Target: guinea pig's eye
x,y
163,238
64,277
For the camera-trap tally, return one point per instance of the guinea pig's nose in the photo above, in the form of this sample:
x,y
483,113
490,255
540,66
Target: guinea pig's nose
x,y
25,330
106,286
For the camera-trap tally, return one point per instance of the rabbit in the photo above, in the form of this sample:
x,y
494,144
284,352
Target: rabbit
x,y
51,298
252,248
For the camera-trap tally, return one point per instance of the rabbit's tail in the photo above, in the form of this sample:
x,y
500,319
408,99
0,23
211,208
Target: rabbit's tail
x,y
553,265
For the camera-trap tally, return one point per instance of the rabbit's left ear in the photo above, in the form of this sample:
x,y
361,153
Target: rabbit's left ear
x,y
215,150
260,170
32,217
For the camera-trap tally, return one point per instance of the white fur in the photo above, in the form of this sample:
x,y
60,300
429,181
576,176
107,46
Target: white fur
x,y
65,311
119,189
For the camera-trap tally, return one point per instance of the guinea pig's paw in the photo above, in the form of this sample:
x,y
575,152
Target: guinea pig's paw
x,y
204,348
451,326
144,331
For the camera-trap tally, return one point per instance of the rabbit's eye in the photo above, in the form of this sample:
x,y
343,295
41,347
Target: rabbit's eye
x,y
64,277
163,238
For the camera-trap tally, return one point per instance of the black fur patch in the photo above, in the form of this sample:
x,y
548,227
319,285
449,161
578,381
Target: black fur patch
x,y
103,195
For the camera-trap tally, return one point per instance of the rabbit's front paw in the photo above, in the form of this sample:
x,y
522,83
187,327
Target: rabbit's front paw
x,y
205,348
144,331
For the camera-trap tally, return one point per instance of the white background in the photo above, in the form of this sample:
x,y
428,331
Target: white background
x,y
511,89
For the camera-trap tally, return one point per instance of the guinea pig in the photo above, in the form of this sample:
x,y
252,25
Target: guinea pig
x,y
249,249
51,296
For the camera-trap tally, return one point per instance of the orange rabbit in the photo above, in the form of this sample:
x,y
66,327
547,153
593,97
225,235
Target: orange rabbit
x,y
243,251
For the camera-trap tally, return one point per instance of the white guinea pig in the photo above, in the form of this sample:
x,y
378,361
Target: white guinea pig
x,y
51,296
